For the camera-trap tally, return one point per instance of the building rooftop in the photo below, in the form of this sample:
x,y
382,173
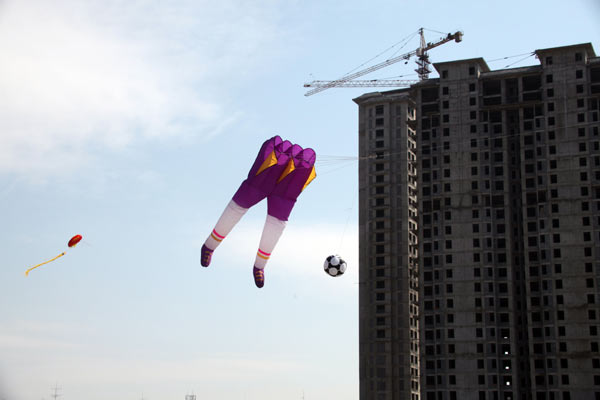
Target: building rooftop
x,y
478,60
586,46
486,72
389,95
512,71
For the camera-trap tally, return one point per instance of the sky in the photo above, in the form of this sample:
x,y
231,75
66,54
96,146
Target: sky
x,y
132,123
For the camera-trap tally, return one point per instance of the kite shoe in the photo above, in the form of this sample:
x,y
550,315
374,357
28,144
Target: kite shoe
x,y
259,277
205,256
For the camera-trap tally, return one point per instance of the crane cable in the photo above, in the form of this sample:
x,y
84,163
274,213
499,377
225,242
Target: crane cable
x,y
405,41
507,57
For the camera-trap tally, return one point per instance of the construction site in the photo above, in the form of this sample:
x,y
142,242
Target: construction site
x,y
479,228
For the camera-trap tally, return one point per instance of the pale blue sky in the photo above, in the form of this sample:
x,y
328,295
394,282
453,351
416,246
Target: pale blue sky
x,y
133,122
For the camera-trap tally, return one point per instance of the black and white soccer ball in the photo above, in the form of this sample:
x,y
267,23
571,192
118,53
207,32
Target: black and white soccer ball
x,y
334,266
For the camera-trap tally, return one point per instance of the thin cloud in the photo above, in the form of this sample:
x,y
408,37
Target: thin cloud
x,y
225,368
13,342
102,371
79,78
29,335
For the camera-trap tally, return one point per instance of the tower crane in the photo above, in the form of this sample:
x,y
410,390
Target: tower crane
x,y
422,68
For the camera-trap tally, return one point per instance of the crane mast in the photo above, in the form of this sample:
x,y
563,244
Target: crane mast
x,y
422,68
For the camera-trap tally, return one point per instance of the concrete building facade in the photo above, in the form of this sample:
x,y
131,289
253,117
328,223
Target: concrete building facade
x,y
480,233
389,345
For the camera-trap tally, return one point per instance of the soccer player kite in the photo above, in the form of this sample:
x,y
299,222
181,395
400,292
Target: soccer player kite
x,y
280,173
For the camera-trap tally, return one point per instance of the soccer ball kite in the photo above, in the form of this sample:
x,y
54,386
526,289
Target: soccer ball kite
x,y
334,266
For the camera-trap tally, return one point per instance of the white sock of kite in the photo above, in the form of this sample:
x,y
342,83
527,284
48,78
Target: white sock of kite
x,y
271,234
231,216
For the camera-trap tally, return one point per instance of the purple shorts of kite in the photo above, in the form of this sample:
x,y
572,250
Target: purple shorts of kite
x,y
280,172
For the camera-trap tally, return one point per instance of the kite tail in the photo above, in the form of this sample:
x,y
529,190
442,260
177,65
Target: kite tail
x,y
45,262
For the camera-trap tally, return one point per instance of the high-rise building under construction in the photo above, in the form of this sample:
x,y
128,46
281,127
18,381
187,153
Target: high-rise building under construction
x,y
480,233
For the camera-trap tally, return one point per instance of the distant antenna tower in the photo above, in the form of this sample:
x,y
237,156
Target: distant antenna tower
x,y
55,392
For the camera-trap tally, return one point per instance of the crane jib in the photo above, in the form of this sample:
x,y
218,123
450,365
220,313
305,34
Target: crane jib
x,y
422,62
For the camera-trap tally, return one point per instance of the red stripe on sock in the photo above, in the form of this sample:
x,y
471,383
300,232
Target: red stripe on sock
x,y
219,236
264,253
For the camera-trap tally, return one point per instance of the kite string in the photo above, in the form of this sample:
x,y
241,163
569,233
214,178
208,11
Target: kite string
x,y
339,162
348,218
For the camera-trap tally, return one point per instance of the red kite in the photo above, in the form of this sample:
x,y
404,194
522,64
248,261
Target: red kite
x,y
72,243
